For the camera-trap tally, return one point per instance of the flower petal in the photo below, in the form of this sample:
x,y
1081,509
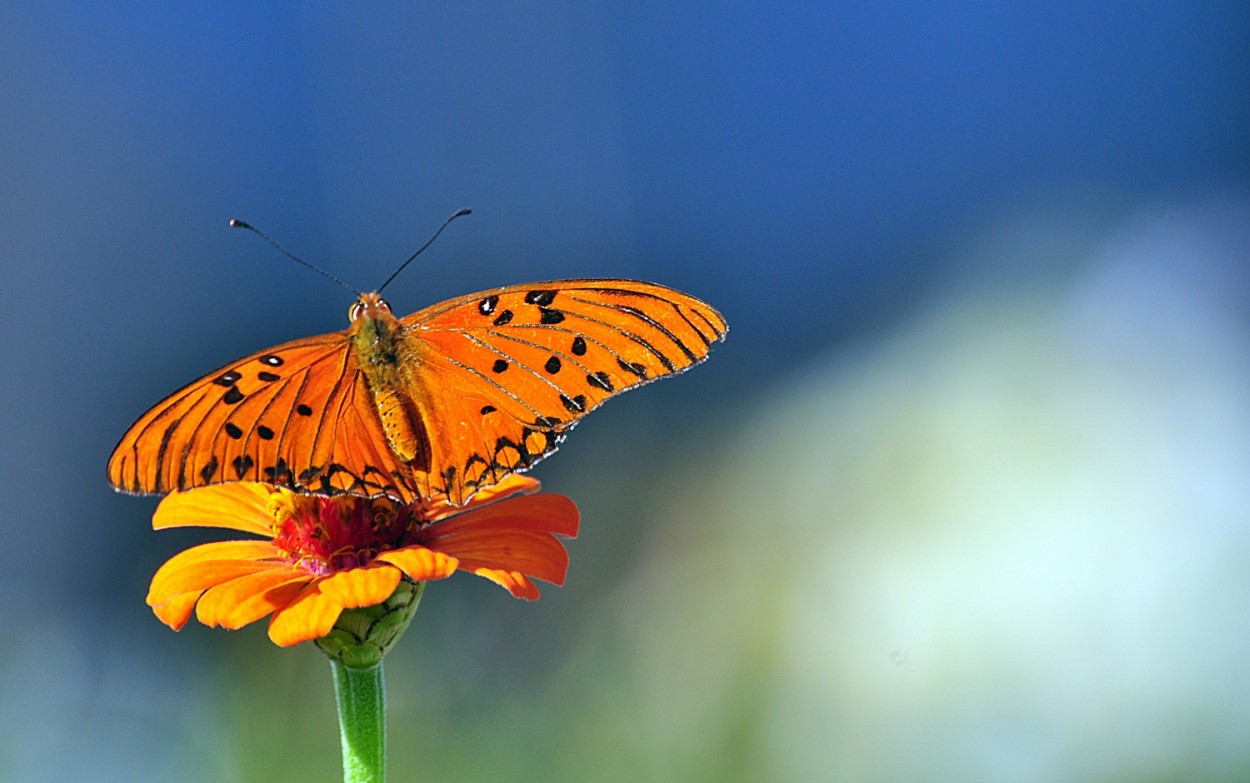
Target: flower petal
x,y
198,578
208,565
361,586
240,505
514,582
420,563
309,616
177,610
537,554
548,513
238,602
514,535
224,550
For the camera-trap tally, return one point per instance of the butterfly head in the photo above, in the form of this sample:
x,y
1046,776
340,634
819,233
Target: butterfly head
x,y
368,307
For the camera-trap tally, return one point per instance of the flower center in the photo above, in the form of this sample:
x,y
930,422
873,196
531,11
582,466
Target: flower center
x,y
325,535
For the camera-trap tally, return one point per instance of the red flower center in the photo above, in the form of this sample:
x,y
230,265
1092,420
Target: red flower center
x,y
326,535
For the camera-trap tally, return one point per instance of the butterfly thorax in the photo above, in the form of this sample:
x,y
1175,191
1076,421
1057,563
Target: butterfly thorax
x,y
377,339
375,334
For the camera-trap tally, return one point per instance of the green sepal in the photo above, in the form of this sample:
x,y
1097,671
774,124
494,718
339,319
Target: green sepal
x,y
362,636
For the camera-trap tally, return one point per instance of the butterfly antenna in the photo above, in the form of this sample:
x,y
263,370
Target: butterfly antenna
x,y
429,242
289,254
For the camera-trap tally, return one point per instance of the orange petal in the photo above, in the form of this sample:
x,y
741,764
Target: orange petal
x,y
236,603
361,586
548,513
176,611
536,554
309,616
513,535
200,569
420,563
224,550
199,577
513,581
241,505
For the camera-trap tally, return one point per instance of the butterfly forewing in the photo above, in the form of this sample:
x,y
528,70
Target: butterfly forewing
x,y
523,364
494,380
289,416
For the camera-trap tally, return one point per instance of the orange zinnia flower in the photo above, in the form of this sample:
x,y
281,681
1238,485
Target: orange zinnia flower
x,y
325,555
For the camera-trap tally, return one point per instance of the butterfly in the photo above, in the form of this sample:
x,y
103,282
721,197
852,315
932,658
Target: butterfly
x,y
434,405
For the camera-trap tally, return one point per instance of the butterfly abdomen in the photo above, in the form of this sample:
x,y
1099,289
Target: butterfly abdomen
x,y
400,423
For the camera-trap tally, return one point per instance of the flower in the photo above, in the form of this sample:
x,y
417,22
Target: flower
x,y
324,555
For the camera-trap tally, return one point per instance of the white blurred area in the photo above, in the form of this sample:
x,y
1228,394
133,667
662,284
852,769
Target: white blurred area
x,y
1008,540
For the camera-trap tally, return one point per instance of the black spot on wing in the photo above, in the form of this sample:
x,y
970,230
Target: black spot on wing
x,y
380,484
449,479
209,469
542,297
633,367
241,465
280,473
336,479
600,379
232,396
479,462
509,454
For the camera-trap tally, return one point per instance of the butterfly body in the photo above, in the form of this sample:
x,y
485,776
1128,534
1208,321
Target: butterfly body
x,y
377,339
439,403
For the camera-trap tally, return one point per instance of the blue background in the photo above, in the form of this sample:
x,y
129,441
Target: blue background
x,y
984,390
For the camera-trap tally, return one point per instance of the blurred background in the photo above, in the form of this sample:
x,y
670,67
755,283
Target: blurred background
x,y
962,497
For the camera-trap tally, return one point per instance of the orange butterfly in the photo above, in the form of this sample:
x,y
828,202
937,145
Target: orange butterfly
x,y
441,403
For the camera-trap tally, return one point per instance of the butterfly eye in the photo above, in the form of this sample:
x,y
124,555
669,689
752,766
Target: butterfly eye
x,y
353,312
385,304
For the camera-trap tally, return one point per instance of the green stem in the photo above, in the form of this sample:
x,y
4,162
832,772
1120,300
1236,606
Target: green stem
x,y
361,696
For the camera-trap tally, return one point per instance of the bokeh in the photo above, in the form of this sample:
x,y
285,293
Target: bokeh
x,y
962,497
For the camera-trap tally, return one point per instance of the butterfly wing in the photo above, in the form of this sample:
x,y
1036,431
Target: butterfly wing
x,y
496,379
500,376
298,415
